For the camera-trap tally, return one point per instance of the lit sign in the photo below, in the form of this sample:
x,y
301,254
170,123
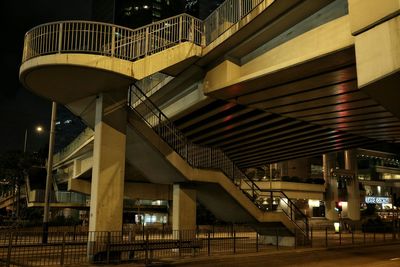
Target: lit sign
x,y
377,200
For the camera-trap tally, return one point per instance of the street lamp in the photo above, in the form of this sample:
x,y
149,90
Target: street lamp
x,y
49,176
39,129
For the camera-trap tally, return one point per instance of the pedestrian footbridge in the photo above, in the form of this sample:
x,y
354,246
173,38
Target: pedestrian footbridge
x,y
258,81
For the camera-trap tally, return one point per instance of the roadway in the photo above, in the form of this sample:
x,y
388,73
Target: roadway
x,y
372,256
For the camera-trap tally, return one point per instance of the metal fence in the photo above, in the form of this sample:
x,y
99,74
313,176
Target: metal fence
x,y
25,248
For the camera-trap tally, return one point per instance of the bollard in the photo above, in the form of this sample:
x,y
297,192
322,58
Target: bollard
x,y
340,236
311,237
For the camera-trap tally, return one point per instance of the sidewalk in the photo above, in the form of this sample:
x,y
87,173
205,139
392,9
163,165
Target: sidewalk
x,y
221,258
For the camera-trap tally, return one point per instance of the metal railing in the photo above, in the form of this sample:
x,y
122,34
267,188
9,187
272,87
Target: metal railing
x,y
212,158
132,44
111,40
37,196
78,141
72,245
227,14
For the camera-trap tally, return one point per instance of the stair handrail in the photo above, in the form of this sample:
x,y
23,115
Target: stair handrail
x,y
216,159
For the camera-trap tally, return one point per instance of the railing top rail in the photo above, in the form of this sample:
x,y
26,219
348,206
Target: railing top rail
x,y
110,24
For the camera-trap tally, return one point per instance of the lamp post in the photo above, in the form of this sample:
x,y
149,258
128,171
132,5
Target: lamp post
x,y
16,199
49,176
38,129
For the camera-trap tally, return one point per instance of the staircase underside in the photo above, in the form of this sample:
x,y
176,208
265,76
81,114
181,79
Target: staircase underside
x,y
215,191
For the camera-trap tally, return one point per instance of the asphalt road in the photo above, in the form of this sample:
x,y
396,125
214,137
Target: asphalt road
x,y
385,256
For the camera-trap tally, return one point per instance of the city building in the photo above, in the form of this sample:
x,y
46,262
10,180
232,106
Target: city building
x,y
185,110
137,13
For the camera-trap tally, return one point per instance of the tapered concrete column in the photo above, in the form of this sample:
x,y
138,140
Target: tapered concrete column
x,y
283,168
375,25
184,207
107,187
299,167
353,202
331,195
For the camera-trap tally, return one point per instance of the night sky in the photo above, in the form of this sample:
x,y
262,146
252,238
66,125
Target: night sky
x,y
19,108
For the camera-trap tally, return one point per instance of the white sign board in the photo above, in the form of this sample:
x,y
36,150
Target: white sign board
x,y
377,200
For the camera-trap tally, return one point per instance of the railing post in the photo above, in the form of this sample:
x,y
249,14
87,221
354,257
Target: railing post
x,y
271,204
113,41
233,172
187,152
62,250
146,260
234,241
146,41
240,11
192,35
180,29
9,249
291,210
60,35
208,243
203,35
130,96
256,242
364,236
326,236
180,242
217,22
108,247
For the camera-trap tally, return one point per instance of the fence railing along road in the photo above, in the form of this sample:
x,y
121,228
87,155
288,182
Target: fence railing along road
x,y
25,248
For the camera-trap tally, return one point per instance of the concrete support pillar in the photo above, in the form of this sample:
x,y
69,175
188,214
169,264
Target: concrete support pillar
x,y
377,46
107,187
331,191
184,207
299,168
353,202
283,168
